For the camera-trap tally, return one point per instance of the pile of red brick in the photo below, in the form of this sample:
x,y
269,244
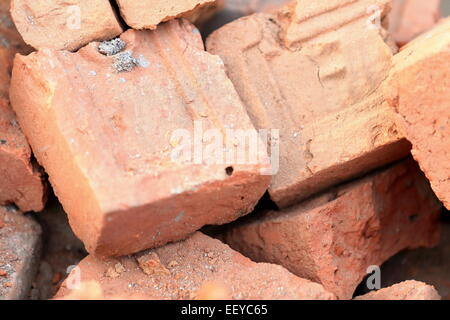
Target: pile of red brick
x,y
342,87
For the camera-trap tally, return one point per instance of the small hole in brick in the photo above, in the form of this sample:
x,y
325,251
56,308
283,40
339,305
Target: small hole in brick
x,y
413,217
229,171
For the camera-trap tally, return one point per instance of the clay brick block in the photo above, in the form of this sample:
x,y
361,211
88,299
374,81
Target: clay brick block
x,y
105,138
64,24
20,179
147,14
20,246
332,239
318,83
408,290
185,270
410,18
419,91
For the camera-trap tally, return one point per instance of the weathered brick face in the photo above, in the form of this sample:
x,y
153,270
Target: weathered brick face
x,y
105,137
147,14
419,92
64,24
20,179
333,238
315,75
185,270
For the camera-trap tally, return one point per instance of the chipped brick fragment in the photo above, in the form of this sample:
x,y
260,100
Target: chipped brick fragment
x,y
313,71
151,265
233,276
64,24
20,178
105,137
147,14
408,290
418,90
333,238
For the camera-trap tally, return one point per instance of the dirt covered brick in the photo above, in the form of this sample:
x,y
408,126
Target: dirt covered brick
x,y
204,268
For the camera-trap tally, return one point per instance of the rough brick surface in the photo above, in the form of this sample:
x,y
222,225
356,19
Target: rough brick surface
x,y
408,290
105,138
419,92
64,24
334,238
410,18
147,14
318,84
20,245
20,179
185,270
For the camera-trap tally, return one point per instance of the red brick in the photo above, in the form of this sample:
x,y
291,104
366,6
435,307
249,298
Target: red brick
x,y
410,18
419,91
20,179
20,246
147,14
334,122
191,266
62,24
333,238
104,137
408,290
